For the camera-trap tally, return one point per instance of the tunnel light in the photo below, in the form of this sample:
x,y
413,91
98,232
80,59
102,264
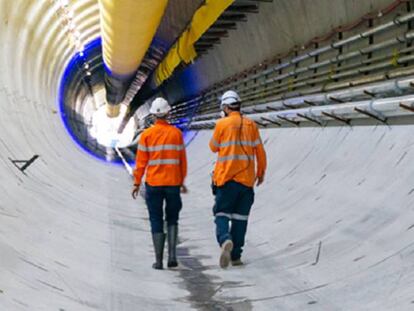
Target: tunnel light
x,y
105,129
76,34
86,66
63,3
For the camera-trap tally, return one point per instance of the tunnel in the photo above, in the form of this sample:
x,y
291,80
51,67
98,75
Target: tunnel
x,y
330,85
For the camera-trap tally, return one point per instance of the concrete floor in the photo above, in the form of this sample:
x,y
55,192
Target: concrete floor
x,y
71,238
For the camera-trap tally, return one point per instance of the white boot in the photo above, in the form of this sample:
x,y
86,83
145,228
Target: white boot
x,y
225,256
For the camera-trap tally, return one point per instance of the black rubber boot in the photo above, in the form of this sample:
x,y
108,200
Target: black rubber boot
x,y
172,246
158,239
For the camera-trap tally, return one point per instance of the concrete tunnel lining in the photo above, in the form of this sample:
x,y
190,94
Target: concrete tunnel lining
x,y
361,217
71,238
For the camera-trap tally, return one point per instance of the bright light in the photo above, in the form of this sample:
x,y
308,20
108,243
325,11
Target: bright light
x,y
105,129
63,2
71,26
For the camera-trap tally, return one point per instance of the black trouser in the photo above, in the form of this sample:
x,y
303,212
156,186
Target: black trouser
x,y
154,197
233,203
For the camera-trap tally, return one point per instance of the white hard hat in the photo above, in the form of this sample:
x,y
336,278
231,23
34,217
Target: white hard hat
x,y
230,98
160,107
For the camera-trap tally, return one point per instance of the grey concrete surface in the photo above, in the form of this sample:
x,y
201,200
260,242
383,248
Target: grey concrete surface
x,y
332,228
345,193
71,237
277,28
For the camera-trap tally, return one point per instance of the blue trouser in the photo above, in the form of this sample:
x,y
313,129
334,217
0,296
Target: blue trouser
x,y
154,197
233,203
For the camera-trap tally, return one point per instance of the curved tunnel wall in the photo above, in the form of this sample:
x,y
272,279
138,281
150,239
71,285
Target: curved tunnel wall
x,y
331,228
72,239
275,29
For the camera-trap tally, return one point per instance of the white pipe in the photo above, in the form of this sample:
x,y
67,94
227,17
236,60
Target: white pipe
x,y
397,21
389,107
346,94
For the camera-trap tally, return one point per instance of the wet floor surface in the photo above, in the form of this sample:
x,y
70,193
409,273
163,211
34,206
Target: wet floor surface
x,y
202,287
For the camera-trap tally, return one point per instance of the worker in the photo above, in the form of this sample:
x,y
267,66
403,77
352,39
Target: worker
x,y
161,153
237,141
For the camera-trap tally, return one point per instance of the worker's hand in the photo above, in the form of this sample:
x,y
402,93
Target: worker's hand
x,y
183,189
135,191
259,180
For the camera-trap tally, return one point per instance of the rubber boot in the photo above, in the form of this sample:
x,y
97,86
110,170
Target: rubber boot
x,y
158,239
172,246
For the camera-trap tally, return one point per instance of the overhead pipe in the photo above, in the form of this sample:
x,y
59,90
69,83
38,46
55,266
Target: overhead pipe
x,y
323,99
313,98
128,27
375,30
379,109
183,50
321,76
343,73
405,38
336,45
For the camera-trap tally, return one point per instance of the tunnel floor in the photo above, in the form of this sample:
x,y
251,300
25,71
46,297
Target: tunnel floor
x,y
331,229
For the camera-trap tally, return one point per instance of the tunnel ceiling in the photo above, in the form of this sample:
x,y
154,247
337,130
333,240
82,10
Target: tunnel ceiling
x,y
249,37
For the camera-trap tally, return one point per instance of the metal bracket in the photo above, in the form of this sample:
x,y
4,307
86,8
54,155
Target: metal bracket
x,y
335,99
288,106
407,107
369,93
272,109
373,114
270,121
288,120
313,120
309,103
261,124
259,110
337,118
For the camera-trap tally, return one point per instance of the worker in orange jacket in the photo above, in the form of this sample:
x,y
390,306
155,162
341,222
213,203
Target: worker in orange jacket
x,y
161,153
237,141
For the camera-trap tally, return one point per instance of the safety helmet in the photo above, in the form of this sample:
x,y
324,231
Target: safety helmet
x,y
160,107
230,98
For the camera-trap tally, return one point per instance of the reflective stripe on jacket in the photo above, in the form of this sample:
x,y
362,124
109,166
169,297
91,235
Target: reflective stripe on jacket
x,y
238,145
161,152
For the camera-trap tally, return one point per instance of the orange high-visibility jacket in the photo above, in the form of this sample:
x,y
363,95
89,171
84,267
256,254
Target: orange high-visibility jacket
x,y
238,145
161,151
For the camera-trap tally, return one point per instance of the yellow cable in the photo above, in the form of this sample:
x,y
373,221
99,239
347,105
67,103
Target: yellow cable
x,y
183,49
128,27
